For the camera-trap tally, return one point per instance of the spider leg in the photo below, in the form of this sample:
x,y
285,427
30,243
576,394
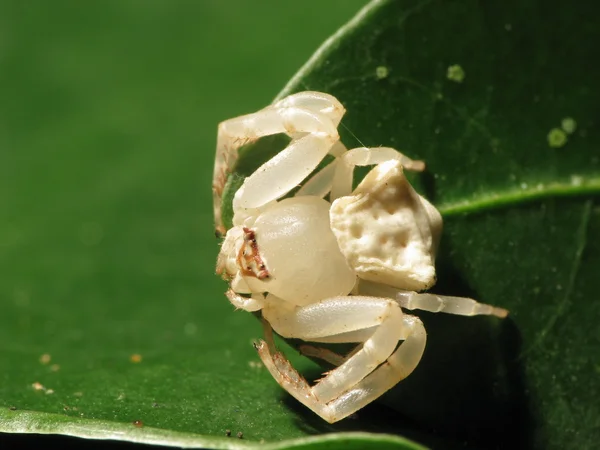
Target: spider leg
x,y
350,386
322,353
319,102
362,156
284,171
310,118
461,306
249,304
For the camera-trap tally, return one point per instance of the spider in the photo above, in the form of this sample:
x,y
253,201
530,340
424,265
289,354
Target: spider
x,y
330,264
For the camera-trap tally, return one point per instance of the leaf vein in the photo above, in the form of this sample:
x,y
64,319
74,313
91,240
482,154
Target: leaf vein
x,y
563,305
518,196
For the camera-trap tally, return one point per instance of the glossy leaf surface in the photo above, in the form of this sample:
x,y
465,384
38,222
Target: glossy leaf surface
x,y
108,250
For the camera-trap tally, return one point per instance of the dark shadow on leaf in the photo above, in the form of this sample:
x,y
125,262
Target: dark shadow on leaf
x,y
428,183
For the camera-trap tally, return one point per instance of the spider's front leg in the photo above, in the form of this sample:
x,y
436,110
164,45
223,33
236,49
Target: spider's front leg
x,y
338,175
363,156
310,118
377,366
250,304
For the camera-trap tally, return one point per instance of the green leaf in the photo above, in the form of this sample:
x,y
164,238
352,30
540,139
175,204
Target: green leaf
x,y
108,121
481,92
108,250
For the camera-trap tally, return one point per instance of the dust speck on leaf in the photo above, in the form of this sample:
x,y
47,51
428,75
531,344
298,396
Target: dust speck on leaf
x,y
568,125
455,73
45,358
557,138
255,364
382,72
138,423
38,386
240,435
54,367
135,358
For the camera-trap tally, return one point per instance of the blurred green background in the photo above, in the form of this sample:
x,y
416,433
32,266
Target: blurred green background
x,y
108,116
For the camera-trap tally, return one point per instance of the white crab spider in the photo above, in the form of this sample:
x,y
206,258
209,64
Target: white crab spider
x,y
331,271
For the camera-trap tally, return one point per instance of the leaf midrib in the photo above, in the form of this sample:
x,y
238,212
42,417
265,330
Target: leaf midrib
x,y
577,186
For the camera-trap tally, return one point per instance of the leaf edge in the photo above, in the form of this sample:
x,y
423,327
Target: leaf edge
x,y
34,422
